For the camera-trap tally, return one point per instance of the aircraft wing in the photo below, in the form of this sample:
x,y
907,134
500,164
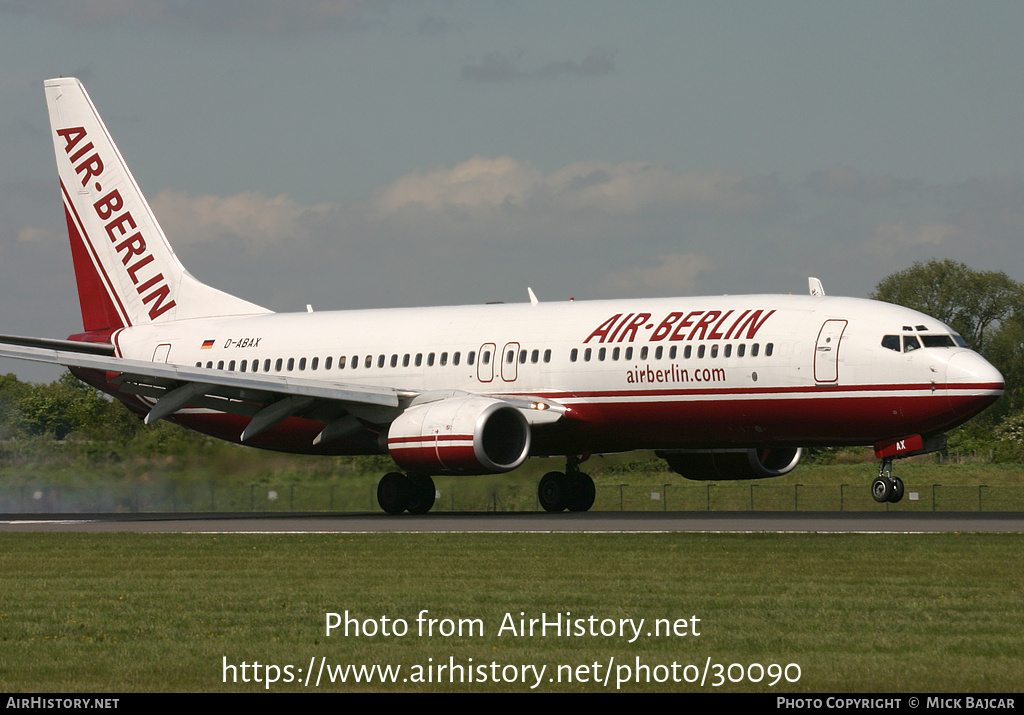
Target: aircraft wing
x,y
266,399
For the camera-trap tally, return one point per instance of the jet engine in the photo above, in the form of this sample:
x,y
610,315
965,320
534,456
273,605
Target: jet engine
x,y
459,435
708,464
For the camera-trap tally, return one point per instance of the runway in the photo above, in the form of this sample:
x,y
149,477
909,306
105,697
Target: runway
x,y
537,523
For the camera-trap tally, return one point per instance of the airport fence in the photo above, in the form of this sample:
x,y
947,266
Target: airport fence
x,y
454,495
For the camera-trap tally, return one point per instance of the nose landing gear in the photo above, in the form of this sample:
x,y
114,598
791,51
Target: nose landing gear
x,y
887,488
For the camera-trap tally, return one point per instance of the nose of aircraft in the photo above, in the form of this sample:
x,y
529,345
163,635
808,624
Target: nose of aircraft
x,y
972,383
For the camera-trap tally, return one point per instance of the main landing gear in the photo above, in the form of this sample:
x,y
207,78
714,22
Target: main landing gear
x,y
887,488
397,492
572,490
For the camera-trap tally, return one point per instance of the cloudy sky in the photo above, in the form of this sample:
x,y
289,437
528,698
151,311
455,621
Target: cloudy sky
x,y
373,153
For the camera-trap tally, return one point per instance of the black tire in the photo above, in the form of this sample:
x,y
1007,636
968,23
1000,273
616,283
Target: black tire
x,y
882,489
581,493
552,491
393,492
897,490
422,494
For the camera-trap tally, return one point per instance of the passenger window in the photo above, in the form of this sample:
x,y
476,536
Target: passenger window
x,y
302,363
314,363
615,353
291,364
602,353
700,351
220,365
231,366
380,361
753,349
394,361
574,354
672,352
487,357
368,362
658,351
629,353
522,357
209,364
586,355
279,364
547,355
471,358
643,353
714,351
405,360
341,362
430,360
328,362
444,359
455,358
740,349
199,364
688,351
355,361
769,349
245,364
419,359
535,356
728,350
266,365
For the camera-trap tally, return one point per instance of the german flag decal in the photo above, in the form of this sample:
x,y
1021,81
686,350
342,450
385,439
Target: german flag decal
x,y
207,344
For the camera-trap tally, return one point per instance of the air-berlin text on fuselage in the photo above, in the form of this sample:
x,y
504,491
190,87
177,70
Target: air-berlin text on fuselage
x,y
117,223
695,325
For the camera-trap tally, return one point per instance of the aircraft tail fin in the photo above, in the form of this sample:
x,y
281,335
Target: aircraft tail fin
x,y
127,272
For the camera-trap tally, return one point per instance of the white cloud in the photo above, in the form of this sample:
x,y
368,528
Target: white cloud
x,y
624,189
251,216
675,274
892,237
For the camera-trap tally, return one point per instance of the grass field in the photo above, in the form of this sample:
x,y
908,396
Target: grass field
x,y
856,613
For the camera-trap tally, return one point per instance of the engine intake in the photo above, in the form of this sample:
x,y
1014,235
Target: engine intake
x,y
709,464
459,435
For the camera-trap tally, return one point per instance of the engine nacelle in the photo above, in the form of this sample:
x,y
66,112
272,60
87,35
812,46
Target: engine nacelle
x,y
709,464
460,435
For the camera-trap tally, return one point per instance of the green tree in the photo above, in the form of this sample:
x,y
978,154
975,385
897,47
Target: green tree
x,y
61,407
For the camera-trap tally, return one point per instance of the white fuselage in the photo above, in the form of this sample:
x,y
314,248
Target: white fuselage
x,y
702,372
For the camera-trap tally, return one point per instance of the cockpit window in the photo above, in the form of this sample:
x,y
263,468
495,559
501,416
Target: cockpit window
x,y
937,341
959,341
910,343
892,342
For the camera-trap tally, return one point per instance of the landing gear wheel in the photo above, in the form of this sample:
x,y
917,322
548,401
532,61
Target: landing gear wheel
x,y
552,492
897,490
422,494
882,489
393,492
581,492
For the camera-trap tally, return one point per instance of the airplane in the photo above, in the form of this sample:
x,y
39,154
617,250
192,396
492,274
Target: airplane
x,y
721,387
